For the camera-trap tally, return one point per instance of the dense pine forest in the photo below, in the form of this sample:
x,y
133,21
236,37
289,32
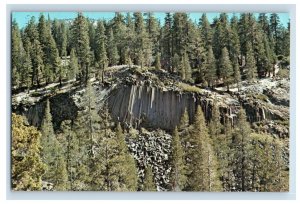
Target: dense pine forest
x,y
94,152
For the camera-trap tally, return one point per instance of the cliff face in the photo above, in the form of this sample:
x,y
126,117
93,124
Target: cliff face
x,y
150,106
139,102
62,106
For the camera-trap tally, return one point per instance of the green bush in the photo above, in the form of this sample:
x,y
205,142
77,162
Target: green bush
x,y
283,73
189,88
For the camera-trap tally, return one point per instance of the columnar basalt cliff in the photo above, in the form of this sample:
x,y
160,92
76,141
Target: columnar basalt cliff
x,y
138,101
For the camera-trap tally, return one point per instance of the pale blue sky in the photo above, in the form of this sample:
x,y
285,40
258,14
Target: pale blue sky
x,y
23,17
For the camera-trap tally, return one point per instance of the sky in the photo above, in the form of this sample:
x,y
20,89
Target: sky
x,y
23,17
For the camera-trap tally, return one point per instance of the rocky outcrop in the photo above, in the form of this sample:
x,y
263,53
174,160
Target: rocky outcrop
x,y
141,99
144,106
152,149
62,107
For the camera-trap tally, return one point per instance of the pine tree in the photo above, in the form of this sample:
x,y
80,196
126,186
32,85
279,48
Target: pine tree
x,y
274,30
87,128
241,152
157,61
37,63
127,171
225,67
264,23
148,184
51,152
185,68
197,52
184,128
250,63
201,161
32,45
175,62
61,176
180,33
152,27
184,121
211,69
237,74
178,178
234,42
225,156
50,54
27,167
121,35
62,47
16,55
101,55
220,38
166,43
215,126
73,66
92,34
112,51
76,155
247,33
141,42
206,30
80,41
26,74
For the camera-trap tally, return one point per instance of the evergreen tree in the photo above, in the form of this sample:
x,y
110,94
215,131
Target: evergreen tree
x,y
167,43
32,45
184,121
26,74
225,67
148,184
112,51
196,53
206,31
80,41
267,166
50,53
241,152
61,177
75,155
62,47
215,126
264,23
225,157
92,34
17,56
157,61
211,69
142,46
201,161
237,74
52,153
185,68
180,33
127,171
175,62
184,128
234,42
27,167
274,30
121,35
101,55
37,63
220,38
178,177
250,63
73,66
